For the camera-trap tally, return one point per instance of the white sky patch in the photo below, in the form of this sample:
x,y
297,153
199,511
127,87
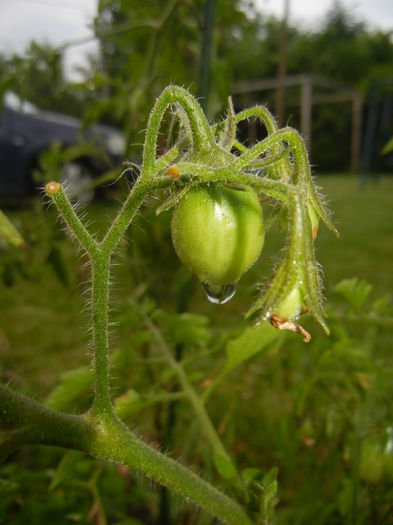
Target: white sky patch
x,y
309,14
52,22
56,22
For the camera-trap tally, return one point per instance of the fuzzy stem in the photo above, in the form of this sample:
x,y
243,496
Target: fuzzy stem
x,y
266,118
285,134
122,446
100,298
262,113
111,440
202,137
193,397
130,208
56,192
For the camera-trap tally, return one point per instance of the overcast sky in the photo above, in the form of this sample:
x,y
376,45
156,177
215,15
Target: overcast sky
x,y
59,21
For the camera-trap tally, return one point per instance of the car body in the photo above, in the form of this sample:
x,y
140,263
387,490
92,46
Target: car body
x,y
26,132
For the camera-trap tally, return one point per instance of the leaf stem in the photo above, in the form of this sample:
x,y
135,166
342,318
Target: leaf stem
x,y
190,392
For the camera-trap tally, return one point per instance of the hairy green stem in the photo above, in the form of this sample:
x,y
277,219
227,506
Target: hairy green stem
x,y
266,118
112,440
202,137
60,199
102,404
130,208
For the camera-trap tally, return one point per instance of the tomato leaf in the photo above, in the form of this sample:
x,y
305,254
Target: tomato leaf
x,y
249,343
9,232
388,148
73,384
127,403
65,468
224,467
354,291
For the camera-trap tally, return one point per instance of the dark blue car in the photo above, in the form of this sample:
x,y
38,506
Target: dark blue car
x,y
26,131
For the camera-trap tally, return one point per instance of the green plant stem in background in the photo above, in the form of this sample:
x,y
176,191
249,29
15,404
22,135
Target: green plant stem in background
x,y
195,400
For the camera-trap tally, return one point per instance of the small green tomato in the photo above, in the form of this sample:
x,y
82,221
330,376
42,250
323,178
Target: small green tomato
x,y
218,233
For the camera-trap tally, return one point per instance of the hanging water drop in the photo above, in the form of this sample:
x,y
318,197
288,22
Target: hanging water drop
x,y
219,293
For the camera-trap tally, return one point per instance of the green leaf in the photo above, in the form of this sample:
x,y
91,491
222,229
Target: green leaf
x,y
249,343
186,328
7,486
388,147
354,291
73,384
224,466
383,305
270,477
262,492
127,404
65,468
250,474
9,232
56,260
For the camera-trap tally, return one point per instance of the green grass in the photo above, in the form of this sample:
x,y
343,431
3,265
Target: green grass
x,y
365,221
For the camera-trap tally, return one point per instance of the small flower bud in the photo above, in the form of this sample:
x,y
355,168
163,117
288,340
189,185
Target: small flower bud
x,y
52,188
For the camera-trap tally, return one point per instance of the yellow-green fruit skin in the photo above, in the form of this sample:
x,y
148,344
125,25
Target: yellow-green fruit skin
x,y
218,232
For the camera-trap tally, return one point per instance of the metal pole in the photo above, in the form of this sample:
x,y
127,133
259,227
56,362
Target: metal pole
x,y
282,67
306,110
205,59
370,133
356,132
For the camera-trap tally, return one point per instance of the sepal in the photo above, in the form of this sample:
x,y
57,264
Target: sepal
x,y
228,134
296,285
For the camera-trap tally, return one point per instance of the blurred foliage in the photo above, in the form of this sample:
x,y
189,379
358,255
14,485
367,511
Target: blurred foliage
x,y
38,77
8,232
321,413
146,45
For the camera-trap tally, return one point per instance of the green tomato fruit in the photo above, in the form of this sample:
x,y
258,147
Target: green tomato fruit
x,y
218,233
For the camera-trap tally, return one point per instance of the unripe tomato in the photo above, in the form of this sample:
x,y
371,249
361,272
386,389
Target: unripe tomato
x,y
218,233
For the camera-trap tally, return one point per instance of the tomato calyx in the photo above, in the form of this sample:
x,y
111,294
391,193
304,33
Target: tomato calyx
x,y
290,308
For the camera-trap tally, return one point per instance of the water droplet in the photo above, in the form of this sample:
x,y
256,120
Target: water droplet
x,y
219,294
